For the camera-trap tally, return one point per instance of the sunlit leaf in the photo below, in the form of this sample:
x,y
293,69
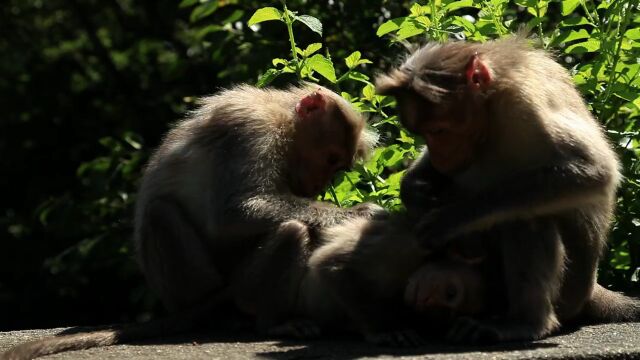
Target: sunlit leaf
x,y
390,25
568,6
312,23
265,14
323,66
268,77
311,49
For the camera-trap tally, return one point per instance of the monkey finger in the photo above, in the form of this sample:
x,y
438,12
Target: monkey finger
x,y
412,338
299,329
401,338
431,234
461,330
368,210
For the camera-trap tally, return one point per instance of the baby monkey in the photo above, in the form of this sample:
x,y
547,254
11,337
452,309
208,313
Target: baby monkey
x,y
358,273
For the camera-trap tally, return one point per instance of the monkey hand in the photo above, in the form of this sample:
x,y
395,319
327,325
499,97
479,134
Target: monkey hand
x,y
297,329
436,228
471,331
399,338
368,210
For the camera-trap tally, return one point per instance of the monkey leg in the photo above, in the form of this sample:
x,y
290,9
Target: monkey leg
x,y
533,262
364,266
174,258
584,236
270,283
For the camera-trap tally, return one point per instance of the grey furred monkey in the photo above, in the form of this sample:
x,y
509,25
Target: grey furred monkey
x,y
245,161
512,149
222,180
365,275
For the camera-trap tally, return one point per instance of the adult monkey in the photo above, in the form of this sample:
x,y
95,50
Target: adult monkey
x,y
247,160
514,149
222,180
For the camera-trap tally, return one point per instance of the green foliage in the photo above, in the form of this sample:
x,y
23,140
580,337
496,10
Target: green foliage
x,y
601,39
90,88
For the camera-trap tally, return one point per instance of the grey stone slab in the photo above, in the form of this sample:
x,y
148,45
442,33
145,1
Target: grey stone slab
x,y
610,341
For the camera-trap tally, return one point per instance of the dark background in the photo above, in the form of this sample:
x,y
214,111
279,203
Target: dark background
x,y
87,88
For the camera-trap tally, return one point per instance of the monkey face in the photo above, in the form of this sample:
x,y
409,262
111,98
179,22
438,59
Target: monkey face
x,y
319,151
445,286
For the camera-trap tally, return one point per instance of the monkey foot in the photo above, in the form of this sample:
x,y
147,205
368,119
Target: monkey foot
x,y
400,338
299,329
468,330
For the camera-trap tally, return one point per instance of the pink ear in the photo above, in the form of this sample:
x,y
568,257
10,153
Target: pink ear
x,y
478,74
310,103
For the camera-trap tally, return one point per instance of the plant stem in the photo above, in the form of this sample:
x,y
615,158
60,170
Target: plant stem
x,y
292,41
332,191
540,34
622,27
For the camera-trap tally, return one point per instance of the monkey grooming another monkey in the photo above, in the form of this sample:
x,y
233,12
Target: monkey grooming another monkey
x,y
244,162
513,149
222,180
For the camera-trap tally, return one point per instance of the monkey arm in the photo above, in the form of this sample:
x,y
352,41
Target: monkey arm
x,y
273,209
538,192
422,187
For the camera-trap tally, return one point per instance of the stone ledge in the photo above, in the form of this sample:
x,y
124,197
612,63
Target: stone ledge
x,y
610,341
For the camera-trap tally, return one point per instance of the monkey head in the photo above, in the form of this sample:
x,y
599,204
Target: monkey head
x,y
328,135
451,285
441,93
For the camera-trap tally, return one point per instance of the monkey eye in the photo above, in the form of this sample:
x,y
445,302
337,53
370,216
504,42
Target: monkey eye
x,y
333,159
451,293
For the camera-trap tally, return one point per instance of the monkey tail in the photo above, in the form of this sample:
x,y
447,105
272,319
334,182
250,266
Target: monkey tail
x,y
173,324
606,306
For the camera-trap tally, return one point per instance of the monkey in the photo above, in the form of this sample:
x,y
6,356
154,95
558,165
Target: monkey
x,y
245,161
365,275
457,285
511,149
227,176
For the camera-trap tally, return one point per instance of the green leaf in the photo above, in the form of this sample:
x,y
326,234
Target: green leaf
x,y
187,3
268,77
235,16
459,5
633,34
368,92
591,45
207,30
568,6
409,29
312,23
311,49
203,10
390,25
347,96
416,9
358,76
278,61
322,66
353,60
569,36
424,21
574,21
265,14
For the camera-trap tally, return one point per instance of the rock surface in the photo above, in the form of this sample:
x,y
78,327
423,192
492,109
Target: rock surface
x,y
611,341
